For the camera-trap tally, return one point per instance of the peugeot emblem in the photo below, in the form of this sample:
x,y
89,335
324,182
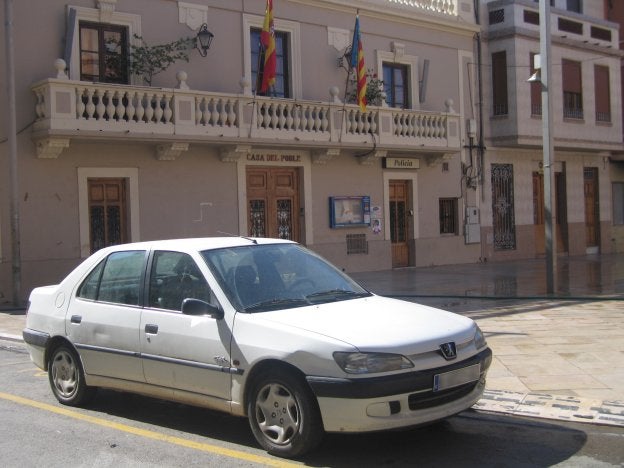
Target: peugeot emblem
x,y
449,351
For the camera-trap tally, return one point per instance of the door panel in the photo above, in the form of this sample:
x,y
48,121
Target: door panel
x,y
273,202
539,214
398,192
592,209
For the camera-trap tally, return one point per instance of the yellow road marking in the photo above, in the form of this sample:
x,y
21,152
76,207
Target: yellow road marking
x,y
214,449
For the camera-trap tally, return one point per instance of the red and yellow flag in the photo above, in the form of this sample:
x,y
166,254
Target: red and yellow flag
x,y
267,39
357,62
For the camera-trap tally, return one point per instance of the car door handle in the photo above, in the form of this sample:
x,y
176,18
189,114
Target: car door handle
x,y
76,319
151,328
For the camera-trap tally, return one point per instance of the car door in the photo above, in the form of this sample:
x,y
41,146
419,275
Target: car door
x,y
181,351
104,316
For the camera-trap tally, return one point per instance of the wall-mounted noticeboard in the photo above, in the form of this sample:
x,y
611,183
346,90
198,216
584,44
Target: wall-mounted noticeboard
x,y
349,211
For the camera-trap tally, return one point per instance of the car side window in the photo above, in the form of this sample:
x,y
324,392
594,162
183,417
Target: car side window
x,y
117,279
89,287
175,276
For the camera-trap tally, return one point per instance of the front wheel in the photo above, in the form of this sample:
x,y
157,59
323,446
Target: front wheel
x,y
67,377
284,415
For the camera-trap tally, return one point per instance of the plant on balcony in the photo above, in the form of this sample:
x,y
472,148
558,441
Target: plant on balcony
x,y
149,60
375,94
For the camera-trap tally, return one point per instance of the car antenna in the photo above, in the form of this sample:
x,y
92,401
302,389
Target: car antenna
x,y
250,239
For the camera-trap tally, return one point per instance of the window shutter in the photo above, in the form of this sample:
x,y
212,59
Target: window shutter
x,y
572,76
601,83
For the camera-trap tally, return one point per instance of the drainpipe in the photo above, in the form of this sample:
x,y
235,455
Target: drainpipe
x,y
16,269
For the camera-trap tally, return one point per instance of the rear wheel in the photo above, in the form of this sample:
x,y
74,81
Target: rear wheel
x,y
67,377
284,415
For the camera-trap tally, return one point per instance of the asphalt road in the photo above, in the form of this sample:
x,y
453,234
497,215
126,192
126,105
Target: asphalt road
x,y
120,429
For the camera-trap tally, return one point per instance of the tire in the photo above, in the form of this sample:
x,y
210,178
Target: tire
x,y
67,377
284,414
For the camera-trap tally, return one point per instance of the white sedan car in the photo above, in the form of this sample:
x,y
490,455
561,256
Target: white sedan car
x,y
261,328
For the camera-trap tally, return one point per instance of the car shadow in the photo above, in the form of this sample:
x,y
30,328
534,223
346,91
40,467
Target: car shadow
x,y
472,438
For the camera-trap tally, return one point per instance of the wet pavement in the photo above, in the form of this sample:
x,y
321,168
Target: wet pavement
x,y
557,356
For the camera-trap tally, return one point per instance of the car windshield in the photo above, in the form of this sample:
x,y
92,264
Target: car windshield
x,y
259,278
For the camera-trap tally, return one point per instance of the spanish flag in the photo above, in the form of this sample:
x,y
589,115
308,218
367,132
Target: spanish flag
x,y
267,39
357,62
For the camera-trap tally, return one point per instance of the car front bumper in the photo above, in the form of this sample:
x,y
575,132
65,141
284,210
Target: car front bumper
x,y
402,400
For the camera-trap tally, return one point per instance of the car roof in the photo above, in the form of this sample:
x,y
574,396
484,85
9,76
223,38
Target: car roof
x,y
198,244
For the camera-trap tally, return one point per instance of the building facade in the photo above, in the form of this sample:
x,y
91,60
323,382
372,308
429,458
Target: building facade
x,y
105,155
585,94
442,168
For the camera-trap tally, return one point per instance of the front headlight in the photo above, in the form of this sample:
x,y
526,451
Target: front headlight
x,y
479,339
369,363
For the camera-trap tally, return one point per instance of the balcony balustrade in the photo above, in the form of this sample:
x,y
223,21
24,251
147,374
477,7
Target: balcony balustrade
x,y
68,109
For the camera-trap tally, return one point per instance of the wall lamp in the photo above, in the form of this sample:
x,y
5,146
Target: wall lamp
x,y
204,39
344,60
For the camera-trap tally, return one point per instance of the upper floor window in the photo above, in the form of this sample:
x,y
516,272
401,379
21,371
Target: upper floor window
x,y
103,53
603,93
499,83
282,73
575,6
572,89
395,79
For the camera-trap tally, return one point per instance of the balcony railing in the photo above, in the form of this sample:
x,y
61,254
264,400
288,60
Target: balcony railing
x,y
71,109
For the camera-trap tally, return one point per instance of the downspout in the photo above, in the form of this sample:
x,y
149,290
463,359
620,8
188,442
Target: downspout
x,y
16,262
480,141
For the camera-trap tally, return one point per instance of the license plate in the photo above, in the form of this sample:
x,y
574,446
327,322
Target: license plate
x,y
456,378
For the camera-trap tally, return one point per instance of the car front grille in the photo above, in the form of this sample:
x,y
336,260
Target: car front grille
x,y
419,401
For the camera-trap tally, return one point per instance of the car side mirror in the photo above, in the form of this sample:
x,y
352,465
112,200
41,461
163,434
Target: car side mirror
x,y
192,306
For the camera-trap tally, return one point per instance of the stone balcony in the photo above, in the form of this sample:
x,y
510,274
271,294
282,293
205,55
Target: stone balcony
x,y
511,16
171,119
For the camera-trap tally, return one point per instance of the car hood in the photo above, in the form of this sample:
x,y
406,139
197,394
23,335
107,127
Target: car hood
x,y
379,324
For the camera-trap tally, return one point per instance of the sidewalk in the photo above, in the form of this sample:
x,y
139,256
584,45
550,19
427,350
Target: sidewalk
x,y
558,357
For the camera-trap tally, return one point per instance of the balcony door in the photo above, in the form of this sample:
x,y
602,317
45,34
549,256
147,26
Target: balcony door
x,y
273,202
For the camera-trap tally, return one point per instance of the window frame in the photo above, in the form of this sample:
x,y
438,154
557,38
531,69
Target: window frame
x,y
500,85
405,72
572,96
449,224
282,56
617,217
293,31
411,62
602,101
76,14
101,29
85,173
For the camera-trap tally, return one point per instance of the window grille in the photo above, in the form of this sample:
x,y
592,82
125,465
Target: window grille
x,y
357,244
497,16
448,216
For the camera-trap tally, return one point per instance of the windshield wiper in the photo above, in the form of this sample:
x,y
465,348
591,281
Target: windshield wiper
x,y
273,304
336,294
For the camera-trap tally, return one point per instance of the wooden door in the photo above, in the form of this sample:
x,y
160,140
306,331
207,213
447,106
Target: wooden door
x,y
592,207
107,212
273,202
398,222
